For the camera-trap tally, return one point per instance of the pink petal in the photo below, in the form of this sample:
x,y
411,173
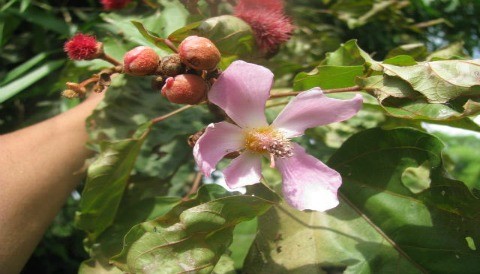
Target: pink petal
x,y
307,182
244,170
218,140
242,91
312,108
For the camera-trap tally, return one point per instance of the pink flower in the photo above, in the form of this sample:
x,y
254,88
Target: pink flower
x,y
267,19
242,91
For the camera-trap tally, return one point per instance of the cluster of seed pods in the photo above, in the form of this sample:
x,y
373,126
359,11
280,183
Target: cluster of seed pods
x,y
183,77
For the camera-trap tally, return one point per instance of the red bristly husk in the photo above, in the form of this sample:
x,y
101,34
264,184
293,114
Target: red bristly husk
x,y
114,4
82,47
270,25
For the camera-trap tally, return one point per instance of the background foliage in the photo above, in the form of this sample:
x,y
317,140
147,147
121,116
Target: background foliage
x,y
369,232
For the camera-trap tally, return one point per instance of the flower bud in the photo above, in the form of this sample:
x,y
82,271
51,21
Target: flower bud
x,y
185,89
199,53
140,61
83,47
171,65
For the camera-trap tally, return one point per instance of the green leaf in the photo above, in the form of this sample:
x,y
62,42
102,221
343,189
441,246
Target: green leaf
x,y
348,54
157,41
440,81
106,181
384,87
417,51
338,70
45,19
8,24
243,237
224,266
23,68
452,51
21,83
398,99
328,77
92,266
340,241
380,226
24,5
139,204
192,236
149,28
429,226
232,36
122,24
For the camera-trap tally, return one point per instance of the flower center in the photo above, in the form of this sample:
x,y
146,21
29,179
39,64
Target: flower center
x,y
268,140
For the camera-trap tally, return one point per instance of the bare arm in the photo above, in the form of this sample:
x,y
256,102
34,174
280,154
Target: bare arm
x,y
39,167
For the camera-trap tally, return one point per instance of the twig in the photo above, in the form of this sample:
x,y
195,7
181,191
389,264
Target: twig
x,y
110,59
196,183
88,81
430,23
170,45
326,91
170,114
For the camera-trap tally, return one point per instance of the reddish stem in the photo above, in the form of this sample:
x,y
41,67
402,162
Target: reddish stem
x,y
326,91
110,59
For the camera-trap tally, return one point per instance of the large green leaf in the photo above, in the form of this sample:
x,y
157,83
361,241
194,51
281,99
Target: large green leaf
x,y
340,241
399,212
440,91
440,81
139,203
192,236
106,182
432,226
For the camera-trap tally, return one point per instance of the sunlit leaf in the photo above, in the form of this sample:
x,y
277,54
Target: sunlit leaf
x,y
106,182
192,236
381,226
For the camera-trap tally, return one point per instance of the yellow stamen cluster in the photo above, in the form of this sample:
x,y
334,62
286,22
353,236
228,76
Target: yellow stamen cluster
x,y
268,140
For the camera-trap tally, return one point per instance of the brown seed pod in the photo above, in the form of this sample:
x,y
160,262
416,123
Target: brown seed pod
x,y
140,61
185,89
172,65
199,53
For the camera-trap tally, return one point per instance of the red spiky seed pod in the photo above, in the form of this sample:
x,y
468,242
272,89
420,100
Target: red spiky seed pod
x,y
271,27
83,47
199,53
185,89
114,4
140,61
